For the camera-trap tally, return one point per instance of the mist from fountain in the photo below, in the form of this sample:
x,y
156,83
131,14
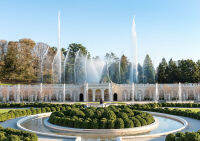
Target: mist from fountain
x,y
57,61
41,50
80,74
134,60
94,70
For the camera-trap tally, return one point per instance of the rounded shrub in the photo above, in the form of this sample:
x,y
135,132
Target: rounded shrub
x,y
112,117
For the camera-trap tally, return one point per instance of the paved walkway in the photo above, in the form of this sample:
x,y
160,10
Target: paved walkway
x,y
194,125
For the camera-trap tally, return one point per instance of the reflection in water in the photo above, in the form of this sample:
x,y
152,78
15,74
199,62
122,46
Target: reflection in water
x,y
36,124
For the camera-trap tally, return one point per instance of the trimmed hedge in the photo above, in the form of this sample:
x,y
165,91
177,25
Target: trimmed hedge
x,y
9,134
187,136
112,117
153,108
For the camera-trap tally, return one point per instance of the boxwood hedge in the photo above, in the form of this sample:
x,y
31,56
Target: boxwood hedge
x,y
112,117
9,134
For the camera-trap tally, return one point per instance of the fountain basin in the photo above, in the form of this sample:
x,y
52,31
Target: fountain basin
x,y
103,132
167,124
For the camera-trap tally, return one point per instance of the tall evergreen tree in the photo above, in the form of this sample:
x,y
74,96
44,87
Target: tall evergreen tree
x,y
140,74
149,71
161,72
189,71
173,72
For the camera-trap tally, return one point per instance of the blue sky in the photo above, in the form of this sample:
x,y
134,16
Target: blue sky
x,y
169,28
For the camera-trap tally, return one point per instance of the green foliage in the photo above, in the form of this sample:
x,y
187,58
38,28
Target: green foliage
x,y
148,70
101,118
187,136
9,134
184,71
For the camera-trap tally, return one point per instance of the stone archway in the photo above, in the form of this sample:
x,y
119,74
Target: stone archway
x,y
68,97
81,98
90,95
191,95
106,95
161,95
115,97
11,96
125,95
98,95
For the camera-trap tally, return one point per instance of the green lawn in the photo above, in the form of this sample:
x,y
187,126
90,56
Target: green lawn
x,y
5,110
192,109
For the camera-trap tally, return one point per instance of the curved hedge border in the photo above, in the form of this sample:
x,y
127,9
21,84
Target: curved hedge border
x,y
112,117
187,136
9,134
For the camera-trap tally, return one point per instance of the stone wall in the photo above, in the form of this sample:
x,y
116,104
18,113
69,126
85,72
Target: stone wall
x,y
95,92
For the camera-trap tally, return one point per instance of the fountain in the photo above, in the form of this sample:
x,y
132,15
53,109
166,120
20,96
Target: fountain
x,y
134,62
56,65
41,50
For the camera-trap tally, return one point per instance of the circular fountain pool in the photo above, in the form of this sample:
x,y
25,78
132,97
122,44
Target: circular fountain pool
x,y
167,124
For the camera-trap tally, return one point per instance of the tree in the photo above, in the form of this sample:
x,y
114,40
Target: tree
x,y
9,69
161,72
189,71
124,69
73,49
140,74
149,71
172,71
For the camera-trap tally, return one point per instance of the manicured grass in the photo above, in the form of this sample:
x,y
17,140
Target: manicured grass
x,y
192,109
5,110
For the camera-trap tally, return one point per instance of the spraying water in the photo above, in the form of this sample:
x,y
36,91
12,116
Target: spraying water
x,y
135,60
41,50
56,65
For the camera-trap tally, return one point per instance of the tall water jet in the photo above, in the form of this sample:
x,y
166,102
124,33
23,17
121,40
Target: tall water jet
x,y
80,73
134,62
65,61
56,65
94,70
119,69
41,50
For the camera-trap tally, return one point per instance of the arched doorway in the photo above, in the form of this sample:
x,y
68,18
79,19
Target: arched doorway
x,y
67,97
90,97
81,97
11,96
97,95
115,97
106,95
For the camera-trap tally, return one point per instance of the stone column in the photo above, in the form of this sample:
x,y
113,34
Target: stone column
x,y
110,92
102,94
156,96
132,91
8,92
179,92
41,89
93,95
18,93
85,91
63,98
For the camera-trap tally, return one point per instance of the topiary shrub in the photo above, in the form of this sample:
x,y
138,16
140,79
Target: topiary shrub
x,y
119,123
112,117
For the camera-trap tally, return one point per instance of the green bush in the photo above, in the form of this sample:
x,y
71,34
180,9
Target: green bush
x,y
111,117
119,123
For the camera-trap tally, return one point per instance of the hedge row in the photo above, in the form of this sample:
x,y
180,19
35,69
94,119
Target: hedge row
x,y
112,117
26,112
187,136
185,113
9,134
